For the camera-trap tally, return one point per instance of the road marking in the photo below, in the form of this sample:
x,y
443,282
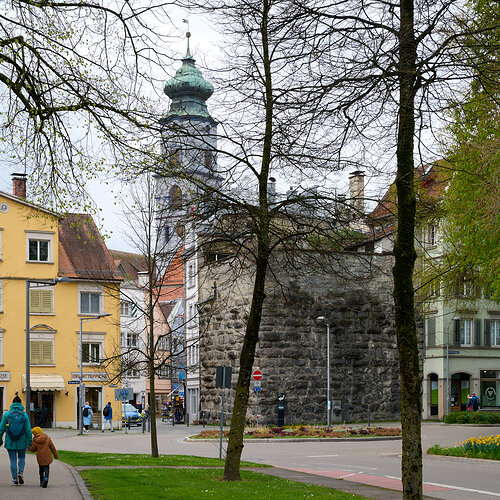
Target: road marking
x,y
321,456
453,487
482,492
349,475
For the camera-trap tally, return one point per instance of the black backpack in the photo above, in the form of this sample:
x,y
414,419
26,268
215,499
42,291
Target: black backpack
x,y
86,411
105,412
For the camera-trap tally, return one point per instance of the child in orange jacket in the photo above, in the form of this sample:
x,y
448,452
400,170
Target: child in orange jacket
x,y
43,446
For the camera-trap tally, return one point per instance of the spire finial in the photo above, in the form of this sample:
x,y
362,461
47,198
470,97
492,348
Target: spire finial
x,y
188,36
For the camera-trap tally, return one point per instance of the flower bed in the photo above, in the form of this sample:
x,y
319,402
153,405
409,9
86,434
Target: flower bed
x,y
487,447
305,431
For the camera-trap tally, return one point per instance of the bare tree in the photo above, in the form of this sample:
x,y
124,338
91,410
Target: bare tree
x,y
154,347
73,88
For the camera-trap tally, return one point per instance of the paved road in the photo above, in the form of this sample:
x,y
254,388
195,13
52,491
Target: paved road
x,y
446,478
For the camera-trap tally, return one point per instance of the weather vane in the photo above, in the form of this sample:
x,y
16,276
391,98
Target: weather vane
x,y
188,34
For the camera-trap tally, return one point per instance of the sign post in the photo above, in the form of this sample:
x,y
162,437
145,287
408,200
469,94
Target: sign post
x,y
257,376
222,379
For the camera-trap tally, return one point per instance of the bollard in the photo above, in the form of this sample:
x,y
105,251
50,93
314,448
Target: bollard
x,y
143,423
203,418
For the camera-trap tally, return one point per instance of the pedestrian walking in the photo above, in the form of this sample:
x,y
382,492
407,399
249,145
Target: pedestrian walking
x,y
44,448
469,402
475,402
15,424
107,413
87,417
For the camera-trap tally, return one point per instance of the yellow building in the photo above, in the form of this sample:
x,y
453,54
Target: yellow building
x,y
36,244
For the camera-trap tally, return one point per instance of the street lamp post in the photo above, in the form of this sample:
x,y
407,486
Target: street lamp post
x,y
80,363
37,283
328,400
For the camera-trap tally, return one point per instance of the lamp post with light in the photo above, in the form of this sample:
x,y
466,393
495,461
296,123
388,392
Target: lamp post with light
x,y
37,283
80,363
328,400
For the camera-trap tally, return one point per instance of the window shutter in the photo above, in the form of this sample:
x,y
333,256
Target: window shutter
x,y
431,332
477,332
487,333
1,296
46,301
456,331
46,353
35,301
35,353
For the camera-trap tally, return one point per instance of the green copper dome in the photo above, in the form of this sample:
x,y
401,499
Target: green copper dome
x,y
188,90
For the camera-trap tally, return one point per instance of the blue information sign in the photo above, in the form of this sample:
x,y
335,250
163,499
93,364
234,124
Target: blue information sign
x,y
257,389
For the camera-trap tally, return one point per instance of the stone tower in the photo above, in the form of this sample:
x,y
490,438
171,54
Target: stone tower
x,y
189,144
189,136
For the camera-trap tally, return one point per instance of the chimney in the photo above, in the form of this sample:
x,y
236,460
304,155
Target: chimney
x,y
357,191
271,190
19,185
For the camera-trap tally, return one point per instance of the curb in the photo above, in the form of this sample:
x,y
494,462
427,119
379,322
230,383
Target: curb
x,y
470,425
190,439
82,487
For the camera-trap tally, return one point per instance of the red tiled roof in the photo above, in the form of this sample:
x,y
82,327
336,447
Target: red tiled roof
x,y
82,252
430,183
172,286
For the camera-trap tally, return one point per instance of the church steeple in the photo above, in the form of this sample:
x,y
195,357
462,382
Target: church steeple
x,y
188,90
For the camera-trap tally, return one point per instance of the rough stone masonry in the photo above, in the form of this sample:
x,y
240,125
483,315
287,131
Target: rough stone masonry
x,y
353,291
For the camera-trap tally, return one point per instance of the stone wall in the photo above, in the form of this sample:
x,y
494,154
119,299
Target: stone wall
x,y
354,292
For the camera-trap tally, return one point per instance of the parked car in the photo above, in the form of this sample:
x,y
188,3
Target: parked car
x,y
130,414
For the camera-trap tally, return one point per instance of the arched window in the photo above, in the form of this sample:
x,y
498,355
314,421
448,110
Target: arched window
x,y
176,198
174,157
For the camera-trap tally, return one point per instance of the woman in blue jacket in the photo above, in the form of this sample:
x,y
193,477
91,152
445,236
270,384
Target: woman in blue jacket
x,y
87,417
16,426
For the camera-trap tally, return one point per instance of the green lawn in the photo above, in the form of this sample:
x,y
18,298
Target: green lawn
x,y
189,484
77,458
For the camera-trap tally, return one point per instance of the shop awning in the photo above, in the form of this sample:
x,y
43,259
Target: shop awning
x,y
44,382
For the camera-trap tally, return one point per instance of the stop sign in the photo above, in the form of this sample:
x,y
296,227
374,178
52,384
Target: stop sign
x,y
257,375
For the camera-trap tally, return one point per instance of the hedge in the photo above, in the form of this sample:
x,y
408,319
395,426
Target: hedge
x,y
472,417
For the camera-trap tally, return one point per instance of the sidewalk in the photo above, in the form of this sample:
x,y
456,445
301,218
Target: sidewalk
x,y
62,483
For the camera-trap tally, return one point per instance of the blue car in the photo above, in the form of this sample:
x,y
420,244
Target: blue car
x,y
130,414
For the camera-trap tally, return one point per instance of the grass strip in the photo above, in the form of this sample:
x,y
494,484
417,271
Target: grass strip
x,y
460,451
199,483
77,458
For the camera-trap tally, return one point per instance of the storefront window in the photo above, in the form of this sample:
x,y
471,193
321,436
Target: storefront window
x,y
490,388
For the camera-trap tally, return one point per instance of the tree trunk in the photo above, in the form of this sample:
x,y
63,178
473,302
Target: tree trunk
x,y
405,256
235,443
151,366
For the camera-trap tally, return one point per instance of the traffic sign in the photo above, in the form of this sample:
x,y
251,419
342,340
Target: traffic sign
x,y
124,394
257,388
73,381
256,383
257,375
